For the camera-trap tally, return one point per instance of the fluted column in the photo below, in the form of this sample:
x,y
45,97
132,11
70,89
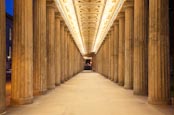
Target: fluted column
x,y
22,64
116,46
68,58
121,52
65,52
62,51
106,57
140,46
112,54
129,38
50,45
57,50
2,56
109,56
158,55
39,50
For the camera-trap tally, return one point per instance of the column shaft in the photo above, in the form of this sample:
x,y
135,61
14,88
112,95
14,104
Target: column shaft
x,y
121,52
112,54
50,45
22,64
65,54
116,46
129,38
62,51
39,50
158,55
140,46
57,50
2,56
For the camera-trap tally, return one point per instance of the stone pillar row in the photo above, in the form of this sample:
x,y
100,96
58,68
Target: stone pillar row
x,y
44,54
135,52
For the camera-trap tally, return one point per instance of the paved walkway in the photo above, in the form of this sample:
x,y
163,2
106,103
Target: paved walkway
x,y
90,94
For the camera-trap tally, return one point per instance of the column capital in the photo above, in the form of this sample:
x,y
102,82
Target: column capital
x,y
62,22
116,22
66,28
112,27
128,4
51,3
58,15
121,15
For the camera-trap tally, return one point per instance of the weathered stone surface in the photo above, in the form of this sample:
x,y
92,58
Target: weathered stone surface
x,y
39,50
158,55
57,50
116,49
2,56
129,39
140,47
22,64
50,45
62,51
121,55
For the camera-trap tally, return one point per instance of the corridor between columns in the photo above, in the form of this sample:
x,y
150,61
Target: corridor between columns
x,y
90,93
46,42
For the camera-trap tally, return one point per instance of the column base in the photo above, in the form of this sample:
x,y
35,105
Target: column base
x,y
112,79
37,93
57,84
62,81
23,101
115,80
121,83
159,102
140,93
51,87
128,87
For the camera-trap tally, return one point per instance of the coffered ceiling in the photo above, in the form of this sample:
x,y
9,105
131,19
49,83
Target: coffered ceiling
x,y
89,13
89,20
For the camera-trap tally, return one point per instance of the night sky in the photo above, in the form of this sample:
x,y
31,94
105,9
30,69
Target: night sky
x,y
9,6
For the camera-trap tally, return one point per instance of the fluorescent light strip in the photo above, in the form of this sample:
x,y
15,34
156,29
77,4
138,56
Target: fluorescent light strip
x,y
71,23
100,37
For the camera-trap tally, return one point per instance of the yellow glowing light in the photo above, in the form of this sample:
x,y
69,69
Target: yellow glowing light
x,y
66,8
111,11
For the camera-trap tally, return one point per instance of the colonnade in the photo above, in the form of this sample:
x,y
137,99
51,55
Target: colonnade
x,y
44,54
135,53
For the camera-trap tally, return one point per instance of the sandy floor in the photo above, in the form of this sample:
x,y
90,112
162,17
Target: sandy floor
x,y
90,94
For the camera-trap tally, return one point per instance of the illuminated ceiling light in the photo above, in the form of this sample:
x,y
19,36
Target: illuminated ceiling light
x,y
110,13
66,8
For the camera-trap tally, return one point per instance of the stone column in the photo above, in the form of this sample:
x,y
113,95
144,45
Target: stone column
x,y
158,55
62,50
116,46
112,54
129,38
65,52
22,64
68,61
121,52
50,45
2,57
57,50
39,50
108,56
70,57
140,46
